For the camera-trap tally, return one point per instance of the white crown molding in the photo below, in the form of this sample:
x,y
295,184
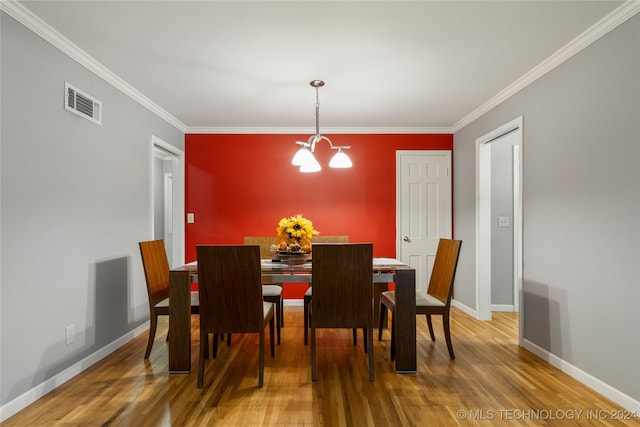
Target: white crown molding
x,y
325,131
595,32
41,28
599,29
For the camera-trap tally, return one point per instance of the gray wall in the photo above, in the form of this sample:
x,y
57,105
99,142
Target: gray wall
x,y
75,201
581,213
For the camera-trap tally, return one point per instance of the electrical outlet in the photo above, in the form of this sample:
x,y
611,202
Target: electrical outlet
x,y
70,334
503,221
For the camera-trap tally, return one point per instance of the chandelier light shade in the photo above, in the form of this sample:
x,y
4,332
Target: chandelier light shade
x,y
304,157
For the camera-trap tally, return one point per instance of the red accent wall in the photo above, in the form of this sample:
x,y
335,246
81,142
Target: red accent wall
x,y
242,185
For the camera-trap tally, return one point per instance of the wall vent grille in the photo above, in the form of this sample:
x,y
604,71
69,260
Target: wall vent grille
x,y
82,104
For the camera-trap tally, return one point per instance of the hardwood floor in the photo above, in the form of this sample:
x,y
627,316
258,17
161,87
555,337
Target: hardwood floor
x,y
491,382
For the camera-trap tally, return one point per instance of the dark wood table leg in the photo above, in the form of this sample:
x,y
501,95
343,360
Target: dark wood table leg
x,y
405,321
179,322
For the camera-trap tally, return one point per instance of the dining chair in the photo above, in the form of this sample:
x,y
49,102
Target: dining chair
x,y
156,273
437,299
230,282
306,302
343,292
271,292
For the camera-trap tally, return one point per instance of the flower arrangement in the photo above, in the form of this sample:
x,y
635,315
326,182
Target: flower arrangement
x,y
295,230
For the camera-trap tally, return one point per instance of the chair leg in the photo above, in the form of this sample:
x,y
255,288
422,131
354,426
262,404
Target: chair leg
x,y
271,330
447,335
206,346
277,301
364,339
282,316
369,335
261,369
203,344
382,317
355,336
393,334
314,374
214,351
430,325
306,303
279,317
229,339
152,335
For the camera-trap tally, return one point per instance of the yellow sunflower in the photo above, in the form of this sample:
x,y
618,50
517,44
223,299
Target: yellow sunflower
x,y
296,229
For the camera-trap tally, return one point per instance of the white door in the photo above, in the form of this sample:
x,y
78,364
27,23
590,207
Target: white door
x,y
423,208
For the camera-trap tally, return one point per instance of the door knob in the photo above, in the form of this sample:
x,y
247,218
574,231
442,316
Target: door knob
x,y
406,239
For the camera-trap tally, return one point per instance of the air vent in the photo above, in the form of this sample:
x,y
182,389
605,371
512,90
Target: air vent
x,y
82,104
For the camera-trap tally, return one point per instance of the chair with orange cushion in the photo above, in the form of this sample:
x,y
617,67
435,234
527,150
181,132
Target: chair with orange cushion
x,y
437,299
156,272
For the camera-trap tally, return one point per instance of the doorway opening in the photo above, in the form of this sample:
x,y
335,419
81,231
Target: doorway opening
x,y
499,220
167,199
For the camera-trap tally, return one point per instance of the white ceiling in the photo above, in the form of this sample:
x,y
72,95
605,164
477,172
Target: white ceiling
x,y
389,66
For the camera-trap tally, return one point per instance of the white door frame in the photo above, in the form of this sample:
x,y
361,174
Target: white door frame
x,y
177,154
483,220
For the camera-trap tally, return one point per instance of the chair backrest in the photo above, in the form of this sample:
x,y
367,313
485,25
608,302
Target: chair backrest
x,y
342,285
329,239
156,270
444,270
230,284
265,242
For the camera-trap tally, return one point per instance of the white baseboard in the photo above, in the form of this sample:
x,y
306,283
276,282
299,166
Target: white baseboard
x,y
19,403
293,302
465,308
502,307
627,402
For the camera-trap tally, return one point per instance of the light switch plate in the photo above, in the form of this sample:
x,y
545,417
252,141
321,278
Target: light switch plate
x,y
191,218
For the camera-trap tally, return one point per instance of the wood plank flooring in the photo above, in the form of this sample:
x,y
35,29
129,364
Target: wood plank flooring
x,y
491,382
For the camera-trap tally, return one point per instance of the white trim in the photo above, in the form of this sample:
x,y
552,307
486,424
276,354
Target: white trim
x,y
589,380
27,398
325,131
464,308
517,220
483,220
502,307
293,302
44,30
178,198
483,228
595,32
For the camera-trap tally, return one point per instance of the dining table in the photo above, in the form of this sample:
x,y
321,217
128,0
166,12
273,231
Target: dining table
x,y
385,270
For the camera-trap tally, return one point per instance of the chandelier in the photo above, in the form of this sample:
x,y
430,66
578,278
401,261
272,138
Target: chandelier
x,y
304,157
